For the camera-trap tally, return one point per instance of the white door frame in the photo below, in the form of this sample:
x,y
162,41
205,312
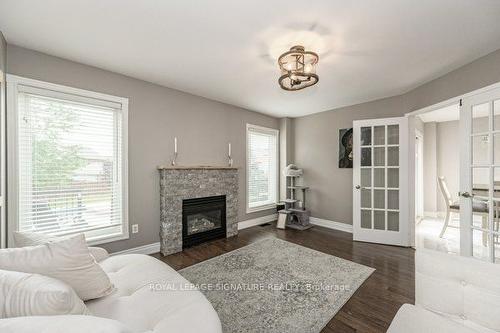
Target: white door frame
x,y
419,173
403,236
411,143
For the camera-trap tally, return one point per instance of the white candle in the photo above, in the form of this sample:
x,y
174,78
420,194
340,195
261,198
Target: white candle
x,y
229,153
175,145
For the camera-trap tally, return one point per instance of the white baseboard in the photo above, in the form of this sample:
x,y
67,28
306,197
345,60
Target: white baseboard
x,y
331,224
144,249
257,221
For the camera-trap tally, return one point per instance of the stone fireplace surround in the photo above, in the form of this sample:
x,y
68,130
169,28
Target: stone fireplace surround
x,y
187,182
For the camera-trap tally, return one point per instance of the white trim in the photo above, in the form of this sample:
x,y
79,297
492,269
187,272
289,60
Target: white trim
x,y
257,221
261,208
331,224
3,163
28,83
262,130
144,249
14,85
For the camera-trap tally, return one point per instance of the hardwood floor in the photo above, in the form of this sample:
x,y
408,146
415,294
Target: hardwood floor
x,y
371,308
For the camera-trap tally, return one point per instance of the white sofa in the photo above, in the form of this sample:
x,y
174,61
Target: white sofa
x,y
452,294
143,309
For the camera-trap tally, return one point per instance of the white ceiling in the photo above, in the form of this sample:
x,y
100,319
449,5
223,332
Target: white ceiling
x,y
226,50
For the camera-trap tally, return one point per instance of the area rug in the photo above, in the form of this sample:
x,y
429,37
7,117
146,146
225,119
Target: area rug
x,y
276,286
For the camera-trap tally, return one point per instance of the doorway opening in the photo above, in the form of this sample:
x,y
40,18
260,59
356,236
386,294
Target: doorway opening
x,y
437,179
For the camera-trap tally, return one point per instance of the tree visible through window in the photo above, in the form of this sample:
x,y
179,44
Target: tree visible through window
x,y
70,175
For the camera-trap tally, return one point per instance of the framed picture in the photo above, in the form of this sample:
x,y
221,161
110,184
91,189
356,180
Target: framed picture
x,y
345,148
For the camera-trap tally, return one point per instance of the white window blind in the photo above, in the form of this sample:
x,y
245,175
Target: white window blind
x,y
70,164
262,167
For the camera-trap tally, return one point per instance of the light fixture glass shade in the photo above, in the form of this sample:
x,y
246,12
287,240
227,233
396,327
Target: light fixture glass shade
x,y
298,69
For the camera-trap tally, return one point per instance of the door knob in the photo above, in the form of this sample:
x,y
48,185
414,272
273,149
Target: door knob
x,y
358,187
465,194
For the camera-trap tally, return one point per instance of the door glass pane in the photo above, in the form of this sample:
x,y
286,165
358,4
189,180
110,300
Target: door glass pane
x,y
379,198
393,177
393,156
366,219
379,220
480,148
496,148
366,156
366,136
480,214
393,134
480,244
496,183
480,181
379,156
366,177
366,198
496,113
480,115
393,221
379,177
392,199
379,135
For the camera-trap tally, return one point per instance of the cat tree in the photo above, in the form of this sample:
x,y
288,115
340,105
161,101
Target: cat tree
x,y
295,215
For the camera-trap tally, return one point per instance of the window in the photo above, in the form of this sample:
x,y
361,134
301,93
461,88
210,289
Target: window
x,y
68,157
262,167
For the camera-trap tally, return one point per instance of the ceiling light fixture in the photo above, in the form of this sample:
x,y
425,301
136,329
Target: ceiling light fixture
x,y
298,69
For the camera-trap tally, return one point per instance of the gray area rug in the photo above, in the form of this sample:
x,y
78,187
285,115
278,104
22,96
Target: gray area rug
x,y
276,286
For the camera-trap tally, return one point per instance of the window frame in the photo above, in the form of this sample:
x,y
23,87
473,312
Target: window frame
x,y
77,95
266,130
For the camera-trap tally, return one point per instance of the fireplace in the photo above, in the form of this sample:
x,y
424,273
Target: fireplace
x,y
203,219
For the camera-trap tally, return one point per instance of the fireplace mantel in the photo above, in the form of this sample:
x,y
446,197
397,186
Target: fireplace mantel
x,y
196,167
178,183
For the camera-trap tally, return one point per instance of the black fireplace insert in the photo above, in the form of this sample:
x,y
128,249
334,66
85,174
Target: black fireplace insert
x,y
203,219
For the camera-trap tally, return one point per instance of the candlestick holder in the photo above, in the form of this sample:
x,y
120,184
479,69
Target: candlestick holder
x,y
230,160
174,159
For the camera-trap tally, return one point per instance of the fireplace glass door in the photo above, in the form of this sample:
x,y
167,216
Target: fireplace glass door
x,y
203,219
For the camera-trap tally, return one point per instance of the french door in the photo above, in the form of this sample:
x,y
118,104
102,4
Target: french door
x,y
380,180
480,175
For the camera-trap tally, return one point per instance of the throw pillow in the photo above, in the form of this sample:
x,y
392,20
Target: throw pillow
x,y
25,294
22,239
68,260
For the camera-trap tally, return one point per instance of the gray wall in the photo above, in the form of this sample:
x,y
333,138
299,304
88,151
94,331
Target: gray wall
x,y
430,168
316,136
317,149
448,159
156,115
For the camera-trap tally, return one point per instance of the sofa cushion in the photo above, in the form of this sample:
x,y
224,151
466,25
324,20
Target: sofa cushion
x,y
140,303
414,319
470,296
24,294
61,324
67,260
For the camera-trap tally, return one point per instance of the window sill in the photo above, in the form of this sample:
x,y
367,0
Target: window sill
x,y
261,208
106,239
